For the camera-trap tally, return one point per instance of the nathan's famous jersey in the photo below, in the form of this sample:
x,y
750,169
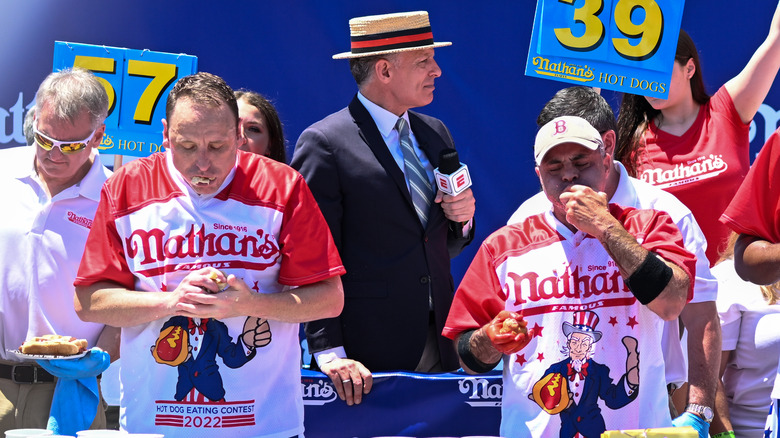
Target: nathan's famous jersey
x,y
196,377
595,361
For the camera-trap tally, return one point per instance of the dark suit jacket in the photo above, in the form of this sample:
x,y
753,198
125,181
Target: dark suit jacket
x,y
391,261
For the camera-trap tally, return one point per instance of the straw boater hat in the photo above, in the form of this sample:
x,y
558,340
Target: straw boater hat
x,y
390,33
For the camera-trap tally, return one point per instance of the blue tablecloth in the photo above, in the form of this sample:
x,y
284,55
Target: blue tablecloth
x,y
407,404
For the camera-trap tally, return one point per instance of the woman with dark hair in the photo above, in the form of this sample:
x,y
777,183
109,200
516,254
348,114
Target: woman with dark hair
x,y
260,126
693,145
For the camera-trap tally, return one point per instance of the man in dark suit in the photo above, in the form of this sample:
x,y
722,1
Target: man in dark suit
x,y
372,179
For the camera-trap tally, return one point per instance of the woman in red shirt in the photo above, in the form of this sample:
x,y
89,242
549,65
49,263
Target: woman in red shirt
x,y
693,145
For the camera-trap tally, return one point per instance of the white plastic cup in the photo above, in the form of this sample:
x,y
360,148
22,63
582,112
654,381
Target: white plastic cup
x,y
24,433
101,433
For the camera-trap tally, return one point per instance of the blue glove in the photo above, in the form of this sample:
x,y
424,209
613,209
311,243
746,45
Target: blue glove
x,y
76,396
695,421
91,365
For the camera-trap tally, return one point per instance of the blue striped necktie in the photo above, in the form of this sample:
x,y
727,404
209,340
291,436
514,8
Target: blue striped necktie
x,y
419,185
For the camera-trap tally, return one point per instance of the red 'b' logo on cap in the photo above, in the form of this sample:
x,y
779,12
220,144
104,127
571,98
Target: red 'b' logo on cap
x,y
560,127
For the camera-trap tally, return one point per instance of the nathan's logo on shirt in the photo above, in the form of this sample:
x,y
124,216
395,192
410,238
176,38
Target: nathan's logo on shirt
x,y
576,282
482,392
685,173
80,220
154,245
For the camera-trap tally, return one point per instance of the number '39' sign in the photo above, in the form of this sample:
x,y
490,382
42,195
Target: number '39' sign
x,y
623,45
137,83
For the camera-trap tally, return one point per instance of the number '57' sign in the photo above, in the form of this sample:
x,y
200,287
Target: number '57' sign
x,y
137,83
622,45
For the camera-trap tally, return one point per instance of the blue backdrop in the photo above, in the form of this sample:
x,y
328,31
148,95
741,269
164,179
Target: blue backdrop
x,y
283,49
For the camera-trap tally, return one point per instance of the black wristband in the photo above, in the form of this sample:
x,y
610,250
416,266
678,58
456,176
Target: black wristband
x,y
649,279
468,358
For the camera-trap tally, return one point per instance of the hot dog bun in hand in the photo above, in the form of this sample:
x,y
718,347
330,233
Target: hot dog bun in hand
x,y
508,332
221,285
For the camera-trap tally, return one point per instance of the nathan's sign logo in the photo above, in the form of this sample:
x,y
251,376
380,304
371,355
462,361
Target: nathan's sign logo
x,y
317,392
483,393
603,280
563,70
153,246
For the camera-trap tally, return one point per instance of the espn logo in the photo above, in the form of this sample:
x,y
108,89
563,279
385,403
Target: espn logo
x,y
454,183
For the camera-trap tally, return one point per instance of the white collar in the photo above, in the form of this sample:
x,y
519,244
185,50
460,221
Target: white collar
x,y
385,120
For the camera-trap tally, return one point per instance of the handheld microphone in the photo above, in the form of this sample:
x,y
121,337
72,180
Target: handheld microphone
x,y
452,176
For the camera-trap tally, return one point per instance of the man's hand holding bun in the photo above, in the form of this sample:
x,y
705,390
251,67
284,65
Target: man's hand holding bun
x,y
508,332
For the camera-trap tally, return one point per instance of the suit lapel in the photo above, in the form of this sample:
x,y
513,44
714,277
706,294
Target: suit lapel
x,y
370,134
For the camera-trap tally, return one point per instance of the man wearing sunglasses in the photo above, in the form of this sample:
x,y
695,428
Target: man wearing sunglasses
x,y
51,192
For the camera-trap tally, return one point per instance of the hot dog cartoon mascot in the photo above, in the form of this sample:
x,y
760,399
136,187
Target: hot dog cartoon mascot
x,y
192,345
571,388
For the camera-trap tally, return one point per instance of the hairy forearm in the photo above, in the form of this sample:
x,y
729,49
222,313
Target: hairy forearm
x,y
629,255
704,351
722,420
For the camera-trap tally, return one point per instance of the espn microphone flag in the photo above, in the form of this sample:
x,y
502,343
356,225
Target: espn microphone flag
x,y
452,176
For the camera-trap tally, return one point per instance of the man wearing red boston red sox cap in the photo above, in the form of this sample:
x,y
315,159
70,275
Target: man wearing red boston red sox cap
x,y
370,167
626,267
700,316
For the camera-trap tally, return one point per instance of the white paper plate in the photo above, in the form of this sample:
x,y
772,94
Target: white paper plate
x,y
21,355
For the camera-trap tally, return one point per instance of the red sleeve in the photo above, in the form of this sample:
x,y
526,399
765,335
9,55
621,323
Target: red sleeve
x,y
722,103
104,257
657,233
479,297
755,209
308,252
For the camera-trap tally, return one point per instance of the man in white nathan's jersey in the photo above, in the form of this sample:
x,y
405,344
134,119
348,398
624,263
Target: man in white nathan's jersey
x,y
699,317
591,283
209,258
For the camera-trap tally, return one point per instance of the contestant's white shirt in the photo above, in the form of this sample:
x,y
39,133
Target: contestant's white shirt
x,y
264,227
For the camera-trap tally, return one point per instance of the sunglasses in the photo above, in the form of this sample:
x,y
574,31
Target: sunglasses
x,y
66,147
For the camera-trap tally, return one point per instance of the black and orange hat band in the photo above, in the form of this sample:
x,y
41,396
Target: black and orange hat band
x,y
402,39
